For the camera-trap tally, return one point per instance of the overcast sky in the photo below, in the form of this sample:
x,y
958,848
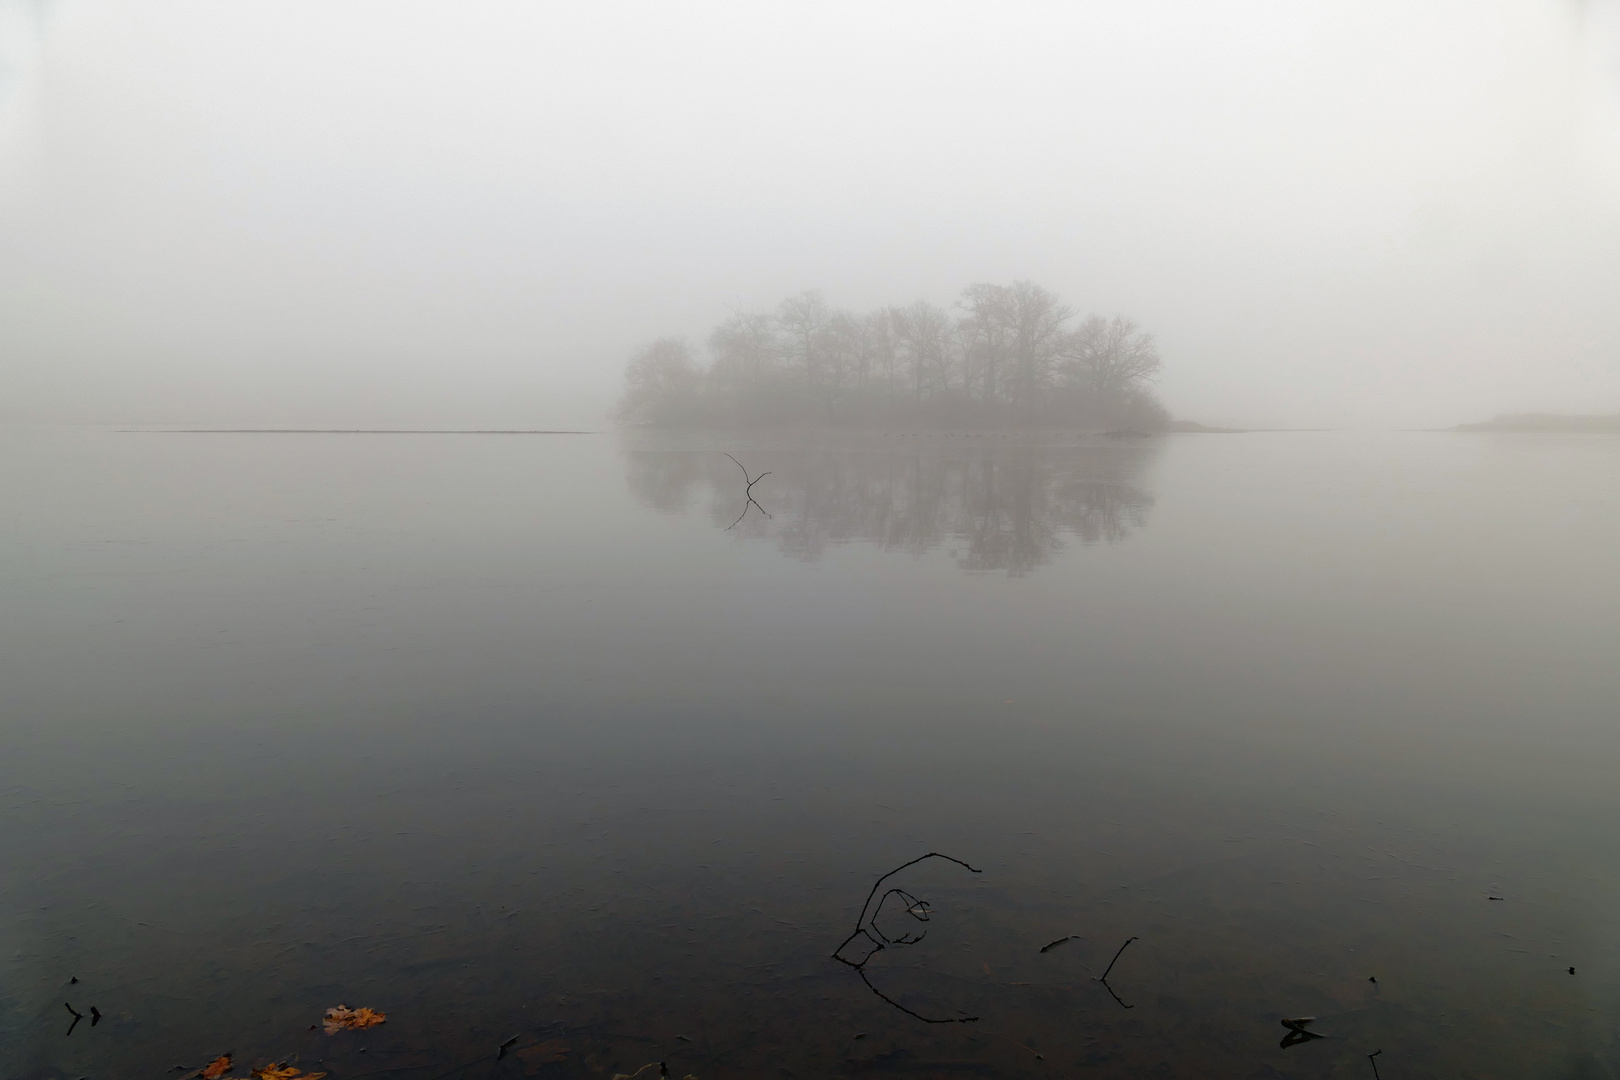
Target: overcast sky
x,y
1339,212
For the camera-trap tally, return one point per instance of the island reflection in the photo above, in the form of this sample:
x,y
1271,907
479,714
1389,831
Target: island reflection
x,y
1001,506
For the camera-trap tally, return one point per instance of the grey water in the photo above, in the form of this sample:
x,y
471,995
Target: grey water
x,y
556,737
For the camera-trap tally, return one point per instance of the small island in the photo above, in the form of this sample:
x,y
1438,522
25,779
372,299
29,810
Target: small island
x,y
1002,356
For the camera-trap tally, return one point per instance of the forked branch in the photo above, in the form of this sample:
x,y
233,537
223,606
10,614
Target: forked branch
x,y
748,492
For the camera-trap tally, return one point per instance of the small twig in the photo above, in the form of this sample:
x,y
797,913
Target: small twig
x,y
865,926
1050,945
748,491
1110,988
1298,1033
1371,1057
1115,960
1038,1055
902,866
861,971
1104,977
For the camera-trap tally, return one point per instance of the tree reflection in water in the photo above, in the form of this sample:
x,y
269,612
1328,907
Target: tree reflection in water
x,y
1001,505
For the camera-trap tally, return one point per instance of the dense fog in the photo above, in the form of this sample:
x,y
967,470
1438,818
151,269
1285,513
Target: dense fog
x,y
1368,213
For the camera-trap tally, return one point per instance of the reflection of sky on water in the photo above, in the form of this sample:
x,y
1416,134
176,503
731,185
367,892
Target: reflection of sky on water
x,y
462,729
996,506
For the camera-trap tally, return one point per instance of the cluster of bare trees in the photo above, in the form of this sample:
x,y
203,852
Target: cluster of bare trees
x,y
1006,354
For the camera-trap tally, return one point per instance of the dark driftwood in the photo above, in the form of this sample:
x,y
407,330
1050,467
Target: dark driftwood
x,y
866,928
1104,977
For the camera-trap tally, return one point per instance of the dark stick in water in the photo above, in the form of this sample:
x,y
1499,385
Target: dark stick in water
x,y
1104,978
868,929
1115,960
748,491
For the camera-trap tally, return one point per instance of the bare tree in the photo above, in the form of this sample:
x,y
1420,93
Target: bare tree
x,y
983,330
1005,354
745,347
1035,318
923,333
880,333
1108,361
804,319
662,383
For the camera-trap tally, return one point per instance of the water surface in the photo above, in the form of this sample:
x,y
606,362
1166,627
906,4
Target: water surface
x,y
530,735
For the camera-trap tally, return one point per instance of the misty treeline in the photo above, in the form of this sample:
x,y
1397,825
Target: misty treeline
x,y
1001,355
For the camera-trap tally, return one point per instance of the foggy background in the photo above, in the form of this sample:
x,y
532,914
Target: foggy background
x,y
1349,212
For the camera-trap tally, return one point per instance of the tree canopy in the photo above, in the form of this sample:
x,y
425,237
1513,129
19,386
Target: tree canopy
x,y
1002,355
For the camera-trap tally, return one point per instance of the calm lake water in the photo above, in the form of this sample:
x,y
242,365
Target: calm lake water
x,y
521,736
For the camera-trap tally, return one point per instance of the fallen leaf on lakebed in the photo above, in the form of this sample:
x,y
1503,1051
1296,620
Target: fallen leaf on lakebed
x,y
284,1072
342,1018
216,1068
543,1053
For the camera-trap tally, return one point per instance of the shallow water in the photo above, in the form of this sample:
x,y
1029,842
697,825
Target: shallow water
x,y
527,735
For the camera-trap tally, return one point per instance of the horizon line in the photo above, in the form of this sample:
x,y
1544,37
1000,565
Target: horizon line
x,y
349,431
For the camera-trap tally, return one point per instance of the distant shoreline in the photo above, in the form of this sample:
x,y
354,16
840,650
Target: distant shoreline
x,y
346,431
1546,423
1194,427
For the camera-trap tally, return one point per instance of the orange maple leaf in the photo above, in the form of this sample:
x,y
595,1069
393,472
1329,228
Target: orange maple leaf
x,y
216,1068
341,1018
284,1072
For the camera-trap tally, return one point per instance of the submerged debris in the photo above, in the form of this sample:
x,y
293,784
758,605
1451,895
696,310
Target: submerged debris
x,y
748,491
868,940
342,1018
1103,978
549,1052
284,1072
1298,1033
1050,945
663,1071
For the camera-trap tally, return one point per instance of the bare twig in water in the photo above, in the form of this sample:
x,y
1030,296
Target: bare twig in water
x,y
860,970
866,927
1104,977
748,491
1115,960
1109,987
1373,1057
1297,1032
1050,945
